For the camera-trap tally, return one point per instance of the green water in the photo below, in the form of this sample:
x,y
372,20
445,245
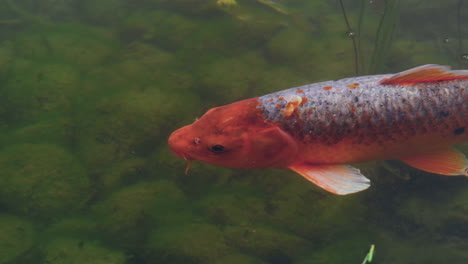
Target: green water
x,y
91,89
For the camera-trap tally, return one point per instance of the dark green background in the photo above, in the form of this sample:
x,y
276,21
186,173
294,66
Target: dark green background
x,y
91,89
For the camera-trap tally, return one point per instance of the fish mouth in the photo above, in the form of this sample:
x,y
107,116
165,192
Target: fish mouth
x,y
177,143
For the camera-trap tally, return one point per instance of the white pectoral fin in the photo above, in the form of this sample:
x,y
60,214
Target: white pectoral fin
x,y
337,179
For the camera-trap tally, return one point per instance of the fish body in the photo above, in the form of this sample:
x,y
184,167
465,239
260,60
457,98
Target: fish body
x,y
359,119
316,129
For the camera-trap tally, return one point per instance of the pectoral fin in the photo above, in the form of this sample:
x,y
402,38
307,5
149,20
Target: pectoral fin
x,y
446,162
337,179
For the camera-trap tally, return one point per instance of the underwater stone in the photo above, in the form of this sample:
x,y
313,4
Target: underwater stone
x,y
300,208
6,57
347,248
51,131
266,242
125,216
238,258
188,243
129,170
16,237
63,9
79,226
104,12
198,8
141,65
34,90
76,251
75,44
419,247
170,31
29,45
42,180
438,212
231,78
226,209
127,125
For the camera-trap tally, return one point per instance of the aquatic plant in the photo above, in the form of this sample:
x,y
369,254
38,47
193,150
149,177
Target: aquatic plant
x,y
383,36
369,256
461,55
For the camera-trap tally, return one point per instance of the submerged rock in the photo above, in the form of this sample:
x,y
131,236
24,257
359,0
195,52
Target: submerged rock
x,y
42,180
75,251
237,258
232,78
129,124
188,243
16,237
125,216
75,44
36,90
267,243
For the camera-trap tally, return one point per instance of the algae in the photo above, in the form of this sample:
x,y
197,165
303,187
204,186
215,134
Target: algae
x,y
75,251
16,237
90,91
42,180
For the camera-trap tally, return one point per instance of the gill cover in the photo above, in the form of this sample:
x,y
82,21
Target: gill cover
x,y
270,148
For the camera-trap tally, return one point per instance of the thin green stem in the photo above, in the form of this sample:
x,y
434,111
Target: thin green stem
x,y
353,36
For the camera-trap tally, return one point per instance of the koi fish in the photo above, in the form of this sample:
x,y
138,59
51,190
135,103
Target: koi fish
x,y
316,130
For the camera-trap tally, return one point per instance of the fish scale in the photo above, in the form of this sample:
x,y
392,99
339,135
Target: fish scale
x,y
332,115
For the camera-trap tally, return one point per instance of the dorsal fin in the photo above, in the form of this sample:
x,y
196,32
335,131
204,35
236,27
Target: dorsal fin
x,y
429,73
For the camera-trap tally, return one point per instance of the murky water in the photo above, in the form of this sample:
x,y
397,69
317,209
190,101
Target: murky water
x,y
91,89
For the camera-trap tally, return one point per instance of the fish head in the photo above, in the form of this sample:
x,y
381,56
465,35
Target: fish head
x,y
235,136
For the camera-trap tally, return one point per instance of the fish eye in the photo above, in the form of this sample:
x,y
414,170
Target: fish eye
x,y
217,148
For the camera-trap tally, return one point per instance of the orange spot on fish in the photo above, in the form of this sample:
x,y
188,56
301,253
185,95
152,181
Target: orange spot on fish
x,y
299,91
462,89
293,101
281,98
353,85
279,105
304,100
271,100
290,107
326,88
353,109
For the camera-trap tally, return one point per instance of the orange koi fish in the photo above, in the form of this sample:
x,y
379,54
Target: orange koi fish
x,y
415,116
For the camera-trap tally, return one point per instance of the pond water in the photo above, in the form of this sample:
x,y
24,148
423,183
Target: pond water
x,y
92,89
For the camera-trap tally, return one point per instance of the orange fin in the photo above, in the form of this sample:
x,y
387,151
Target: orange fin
x,y
429,73
337,179
446,162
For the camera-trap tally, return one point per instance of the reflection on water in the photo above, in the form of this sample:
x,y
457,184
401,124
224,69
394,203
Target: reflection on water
x,y
91,89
